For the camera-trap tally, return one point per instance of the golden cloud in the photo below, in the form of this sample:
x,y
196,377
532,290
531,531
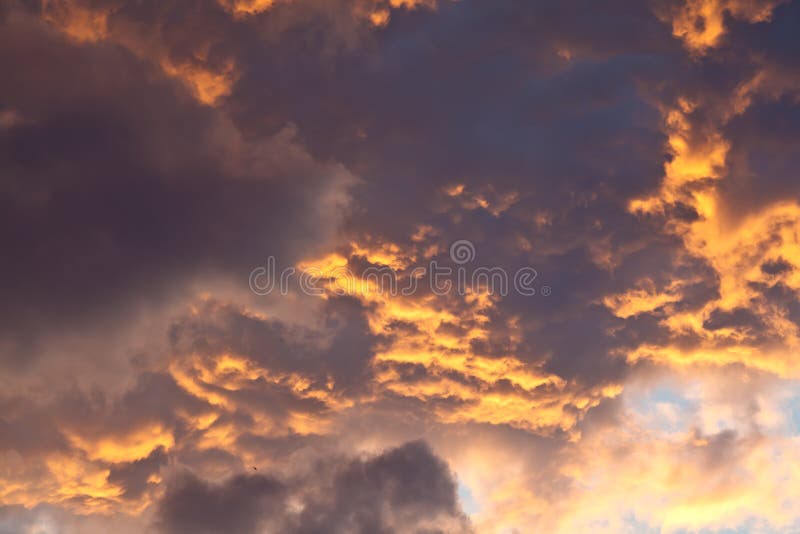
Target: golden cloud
x,y
701,23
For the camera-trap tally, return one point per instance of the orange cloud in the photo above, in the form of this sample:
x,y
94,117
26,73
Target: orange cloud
x,y
701,23
243,8
462,385
79,22
643,299
128,447
736,248
206,85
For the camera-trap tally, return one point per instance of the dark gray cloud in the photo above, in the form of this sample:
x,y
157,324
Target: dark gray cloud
x,y
134,476
540,104
191,505
120,190
405,489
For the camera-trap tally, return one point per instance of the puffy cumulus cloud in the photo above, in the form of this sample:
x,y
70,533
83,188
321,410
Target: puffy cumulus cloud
x,y
639,156
405,489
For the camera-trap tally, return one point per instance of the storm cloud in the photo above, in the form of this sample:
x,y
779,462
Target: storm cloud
x,y
636,159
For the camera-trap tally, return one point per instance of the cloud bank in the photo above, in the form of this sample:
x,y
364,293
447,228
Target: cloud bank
x,y
638,157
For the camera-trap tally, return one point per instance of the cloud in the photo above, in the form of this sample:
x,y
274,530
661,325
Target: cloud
x,y
405,489
136,475
192,506
702,24
639,156
135,148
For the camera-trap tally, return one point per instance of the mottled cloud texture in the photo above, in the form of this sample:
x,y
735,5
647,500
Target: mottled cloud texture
x,y
640,156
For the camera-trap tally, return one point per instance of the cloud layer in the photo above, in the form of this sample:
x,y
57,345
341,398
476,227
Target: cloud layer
x,y
637,157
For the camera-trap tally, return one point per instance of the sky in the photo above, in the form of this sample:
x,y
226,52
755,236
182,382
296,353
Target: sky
x,y
399,266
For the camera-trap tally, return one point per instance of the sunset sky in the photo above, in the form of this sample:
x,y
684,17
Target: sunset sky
x,y
629,166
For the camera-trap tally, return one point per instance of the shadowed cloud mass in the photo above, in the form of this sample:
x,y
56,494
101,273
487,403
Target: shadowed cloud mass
x,y
639,157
